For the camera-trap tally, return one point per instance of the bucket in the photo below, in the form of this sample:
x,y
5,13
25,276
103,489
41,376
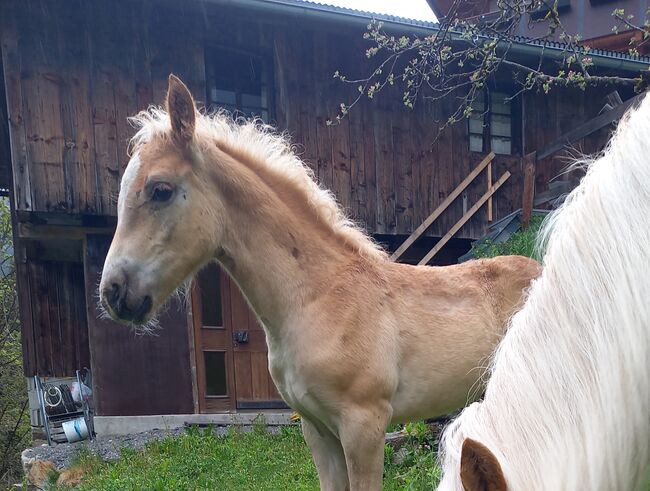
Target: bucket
x,y
75,430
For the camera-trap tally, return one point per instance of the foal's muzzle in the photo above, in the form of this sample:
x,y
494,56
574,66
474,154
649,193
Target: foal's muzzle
x,y
122,302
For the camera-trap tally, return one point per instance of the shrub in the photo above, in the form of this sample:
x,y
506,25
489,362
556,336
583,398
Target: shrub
x,y
14,420
521,243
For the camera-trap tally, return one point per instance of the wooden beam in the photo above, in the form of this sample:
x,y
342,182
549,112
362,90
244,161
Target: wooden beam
x,y
489,185
37,232
614,99
441,243
442,207
529,189
589,127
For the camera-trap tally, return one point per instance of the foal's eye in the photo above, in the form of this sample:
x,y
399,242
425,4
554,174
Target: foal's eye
x,y
161,192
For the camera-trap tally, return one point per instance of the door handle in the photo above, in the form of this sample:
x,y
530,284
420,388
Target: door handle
x,y
240,337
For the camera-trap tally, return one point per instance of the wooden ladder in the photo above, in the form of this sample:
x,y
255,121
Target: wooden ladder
x,y
487,197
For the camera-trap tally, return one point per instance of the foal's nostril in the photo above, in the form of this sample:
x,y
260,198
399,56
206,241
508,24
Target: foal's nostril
x,y
144,309
115,294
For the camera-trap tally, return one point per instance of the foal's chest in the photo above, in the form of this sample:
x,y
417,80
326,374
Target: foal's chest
x,y
288,377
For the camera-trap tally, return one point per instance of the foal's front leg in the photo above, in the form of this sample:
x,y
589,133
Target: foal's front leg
x,y
363,432
328,457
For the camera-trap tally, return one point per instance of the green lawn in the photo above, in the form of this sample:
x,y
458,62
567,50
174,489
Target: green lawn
x,y
244,461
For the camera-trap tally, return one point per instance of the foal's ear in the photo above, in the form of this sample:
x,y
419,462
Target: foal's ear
x,y
181,109
480,469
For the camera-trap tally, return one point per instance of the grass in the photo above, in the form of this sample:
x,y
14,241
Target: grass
x,y
521,243
241,461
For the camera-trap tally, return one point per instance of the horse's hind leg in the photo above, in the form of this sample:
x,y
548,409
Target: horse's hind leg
x,y
363,433
328,457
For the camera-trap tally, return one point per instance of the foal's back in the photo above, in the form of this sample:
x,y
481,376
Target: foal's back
x,y
449,320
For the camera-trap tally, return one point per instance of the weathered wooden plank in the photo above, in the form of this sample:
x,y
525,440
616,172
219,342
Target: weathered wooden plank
x,y
369,164
359,188
78,154
489,185
589,127
440,244
340,93
441,176
289,74
141,55
58,350
44,130
442,207
124,74
403,175
227,286
529,189
102,97
259,376
426,159
24,288
243,375
80,317
323,110
22,185
40,309
383,125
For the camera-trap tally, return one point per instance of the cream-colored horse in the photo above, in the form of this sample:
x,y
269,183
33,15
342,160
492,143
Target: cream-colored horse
x,y
355,341
567,407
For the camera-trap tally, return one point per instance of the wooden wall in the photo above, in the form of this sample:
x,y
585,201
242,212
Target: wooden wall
x,y
76,69
136,375
547,118
53,317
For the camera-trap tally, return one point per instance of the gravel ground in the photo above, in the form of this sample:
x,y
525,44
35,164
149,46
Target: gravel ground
x,y
105,447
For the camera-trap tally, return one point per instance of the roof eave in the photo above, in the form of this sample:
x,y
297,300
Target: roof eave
x,y
327,12
552,51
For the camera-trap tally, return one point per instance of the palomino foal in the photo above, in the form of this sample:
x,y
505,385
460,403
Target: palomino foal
x,y
568,404
355,341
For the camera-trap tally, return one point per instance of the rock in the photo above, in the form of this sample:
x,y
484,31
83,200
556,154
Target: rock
x,y
396,439
39,473
400,456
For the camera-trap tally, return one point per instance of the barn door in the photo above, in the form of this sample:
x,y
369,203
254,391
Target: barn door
x,y
253,384
231,352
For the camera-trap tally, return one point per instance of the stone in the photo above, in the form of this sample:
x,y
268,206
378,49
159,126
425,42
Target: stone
x,y
39,473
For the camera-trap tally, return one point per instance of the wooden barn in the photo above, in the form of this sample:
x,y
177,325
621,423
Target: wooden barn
x,y
72,72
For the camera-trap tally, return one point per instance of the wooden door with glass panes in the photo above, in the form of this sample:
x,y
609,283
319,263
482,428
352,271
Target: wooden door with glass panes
x,y
230,346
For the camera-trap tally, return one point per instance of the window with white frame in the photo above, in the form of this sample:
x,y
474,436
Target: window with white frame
x,y
239,81
491,123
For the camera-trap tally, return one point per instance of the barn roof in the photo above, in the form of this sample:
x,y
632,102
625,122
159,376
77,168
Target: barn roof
x,y
354,13
612,60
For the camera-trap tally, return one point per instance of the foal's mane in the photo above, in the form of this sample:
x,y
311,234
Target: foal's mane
x,y
261,143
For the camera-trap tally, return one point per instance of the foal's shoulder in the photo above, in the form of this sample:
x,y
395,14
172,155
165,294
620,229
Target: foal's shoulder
x,y
514,270
512,264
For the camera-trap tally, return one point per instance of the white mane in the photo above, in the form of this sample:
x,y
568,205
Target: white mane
x,y
260,142
567,406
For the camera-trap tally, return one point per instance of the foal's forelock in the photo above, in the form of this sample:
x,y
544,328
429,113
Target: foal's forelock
x,y
128,179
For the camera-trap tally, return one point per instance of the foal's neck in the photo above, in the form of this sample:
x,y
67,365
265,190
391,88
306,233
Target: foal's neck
x,y
278,251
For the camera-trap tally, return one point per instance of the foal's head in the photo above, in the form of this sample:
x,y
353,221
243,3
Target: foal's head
x,y
163,234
